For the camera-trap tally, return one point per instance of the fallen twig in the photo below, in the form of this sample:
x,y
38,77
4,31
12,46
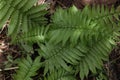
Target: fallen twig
x,y
7,69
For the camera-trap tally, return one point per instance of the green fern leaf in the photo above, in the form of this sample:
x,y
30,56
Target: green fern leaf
x,y
21,9
72,26
86,58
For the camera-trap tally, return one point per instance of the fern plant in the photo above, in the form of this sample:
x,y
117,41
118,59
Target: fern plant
x,y
82,39
75,41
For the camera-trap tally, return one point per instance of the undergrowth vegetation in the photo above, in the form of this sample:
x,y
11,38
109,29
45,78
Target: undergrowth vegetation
x,y
74,42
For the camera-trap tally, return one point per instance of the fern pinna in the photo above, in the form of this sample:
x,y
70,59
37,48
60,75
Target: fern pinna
x,y
74,42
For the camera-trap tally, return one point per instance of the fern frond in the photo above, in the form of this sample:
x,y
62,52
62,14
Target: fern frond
x,y
21,13
83,57
77,26
27,68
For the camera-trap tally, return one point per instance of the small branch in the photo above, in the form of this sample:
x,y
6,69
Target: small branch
x,y
7,69
61,4
114,60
